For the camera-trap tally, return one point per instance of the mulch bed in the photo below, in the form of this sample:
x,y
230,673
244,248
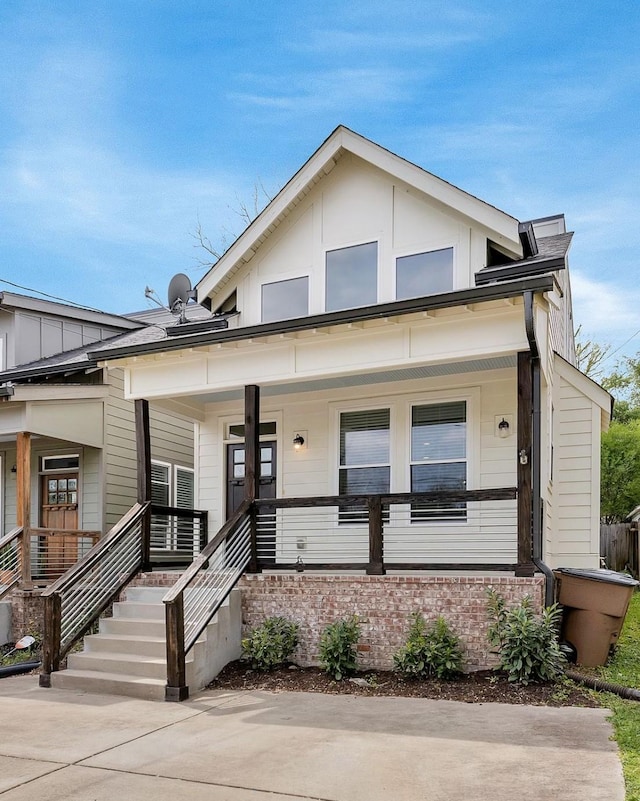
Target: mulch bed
x,y
485,686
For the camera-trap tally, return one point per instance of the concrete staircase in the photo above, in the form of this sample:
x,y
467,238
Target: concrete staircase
x,y
128,655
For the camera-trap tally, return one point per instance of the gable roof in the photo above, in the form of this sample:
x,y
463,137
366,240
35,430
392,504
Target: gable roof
x,y
13,300
503,227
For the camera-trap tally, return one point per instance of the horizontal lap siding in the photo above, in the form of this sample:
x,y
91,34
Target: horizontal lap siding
x,y
572,539
171,441
490,534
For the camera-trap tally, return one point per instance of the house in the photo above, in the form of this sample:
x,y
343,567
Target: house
x,y
67,445
389,415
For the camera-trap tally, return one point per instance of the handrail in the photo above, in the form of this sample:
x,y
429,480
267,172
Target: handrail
x,y
201,590
78,598
448,496
14,560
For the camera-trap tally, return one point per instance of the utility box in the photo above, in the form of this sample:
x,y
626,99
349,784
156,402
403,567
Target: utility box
x,y
595,605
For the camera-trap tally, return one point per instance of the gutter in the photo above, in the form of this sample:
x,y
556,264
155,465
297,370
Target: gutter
x,y
536,450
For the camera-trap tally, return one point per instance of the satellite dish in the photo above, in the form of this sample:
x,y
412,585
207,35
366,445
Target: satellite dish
x,y
179,289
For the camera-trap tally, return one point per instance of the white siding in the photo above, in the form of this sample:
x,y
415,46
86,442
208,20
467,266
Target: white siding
x,y
486,537
576,481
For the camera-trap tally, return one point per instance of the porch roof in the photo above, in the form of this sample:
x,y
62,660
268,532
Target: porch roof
x,y
156,340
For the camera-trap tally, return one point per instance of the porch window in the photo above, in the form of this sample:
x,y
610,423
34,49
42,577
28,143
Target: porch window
x,y
424,274
283,300
160,484
364,452
439,457
352,277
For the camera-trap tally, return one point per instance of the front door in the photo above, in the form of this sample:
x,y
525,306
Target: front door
x,y
58,511
266,489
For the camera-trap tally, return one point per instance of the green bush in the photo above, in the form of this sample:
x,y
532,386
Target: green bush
x,y
271,643
527,643
338,647
433,651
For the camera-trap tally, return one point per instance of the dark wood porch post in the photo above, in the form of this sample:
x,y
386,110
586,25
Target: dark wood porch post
x,y
252,463
23,502
143,450
376,561
524,451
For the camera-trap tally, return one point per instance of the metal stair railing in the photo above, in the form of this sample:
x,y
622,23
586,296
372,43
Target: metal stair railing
x,y
10,560
76,600
201,590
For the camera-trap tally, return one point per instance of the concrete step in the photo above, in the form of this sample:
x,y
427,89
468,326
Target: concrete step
x,y
132,625
143,645
148,611
110,684
146,595
152,667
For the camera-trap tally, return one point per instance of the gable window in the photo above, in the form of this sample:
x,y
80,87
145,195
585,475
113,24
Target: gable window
x,y
283,300
439,456
424,274
352,277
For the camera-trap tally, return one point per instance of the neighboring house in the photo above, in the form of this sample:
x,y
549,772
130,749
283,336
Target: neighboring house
x,y
67,437
389,369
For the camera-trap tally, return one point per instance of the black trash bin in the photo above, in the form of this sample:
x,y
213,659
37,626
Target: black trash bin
x,y
595,605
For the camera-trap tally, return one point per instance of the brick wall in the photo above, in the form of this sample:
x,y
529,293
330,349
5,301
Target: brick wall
x,y
383,605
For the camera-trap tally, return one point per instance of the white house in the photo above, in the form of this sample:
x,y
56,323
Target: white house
x,y
388,412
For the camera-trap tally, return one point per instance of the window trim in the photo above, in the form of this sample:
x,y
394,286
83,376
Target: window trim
x,y
418,252
347,246
282,281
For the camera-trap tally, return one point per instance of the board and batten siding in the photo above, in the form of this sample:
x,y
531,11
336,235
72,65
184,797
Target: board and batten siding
x,y
574,535
172,440
489,533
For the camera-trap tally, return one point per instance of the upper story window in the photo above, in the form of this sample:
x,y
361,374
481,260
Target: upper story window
x,y
282,300
352,277
424,274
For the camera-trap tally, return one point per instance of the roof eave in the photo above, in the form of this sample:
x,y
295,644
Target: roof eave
x,y
484,293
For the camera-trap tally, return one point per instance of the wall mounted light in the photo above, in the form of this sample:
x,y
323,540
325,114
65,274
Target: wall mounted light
x,y
298,442
14,469
503,428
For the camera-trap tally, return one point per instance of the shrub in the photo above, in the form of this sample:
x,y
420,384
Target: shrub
x,y
271,643
338,647
527,643
433,651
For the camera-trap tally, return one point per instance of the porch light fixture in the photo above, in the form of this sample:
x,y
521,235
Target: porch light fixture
x,y
503,428
298,442
14,469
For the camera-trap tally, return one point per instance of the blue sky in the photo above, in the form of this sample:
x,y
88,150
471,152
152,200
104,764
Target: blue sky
x,y
125,122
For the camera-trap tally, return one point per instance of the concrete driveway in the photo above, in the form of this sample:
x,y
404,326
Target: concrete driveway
x,y
255,746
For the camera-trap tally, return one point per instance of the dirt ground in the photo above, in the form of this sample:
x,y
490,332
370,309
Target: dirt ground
x,y
473,688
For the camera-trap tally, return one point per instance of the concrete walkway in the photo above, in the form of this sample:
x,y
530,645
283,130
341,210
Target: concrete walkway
x,y
63,745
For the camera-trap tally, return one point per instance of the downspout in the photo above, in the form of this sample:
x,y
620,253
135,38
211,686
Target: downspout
x,y
549,593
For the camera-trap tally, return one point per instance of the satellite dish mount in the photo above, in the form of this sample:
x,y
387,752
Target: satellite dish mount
x,y
179,294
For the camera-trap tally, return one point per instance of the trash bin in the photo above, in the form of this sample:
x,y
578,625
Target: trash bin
x,y
595,605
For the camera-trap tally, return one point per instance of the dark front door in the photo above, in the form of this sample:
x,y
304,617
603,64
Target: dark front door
x,y
266,489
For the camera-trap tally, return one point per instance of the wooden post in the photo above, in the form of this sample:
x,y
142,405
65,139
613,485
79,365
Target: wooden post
x,y
376,561
177,688
51,638
143,450
524,452
252,463
23,502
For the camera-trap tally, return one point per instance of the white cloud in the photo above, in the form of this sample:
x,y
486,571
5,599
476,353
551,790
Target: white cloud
x,y
607,312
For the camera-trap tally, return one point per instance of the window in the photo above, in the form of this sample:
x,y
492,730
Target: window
x,y
364,452
424,274
160,484
283,300
439,456
184,490
67,462
352,277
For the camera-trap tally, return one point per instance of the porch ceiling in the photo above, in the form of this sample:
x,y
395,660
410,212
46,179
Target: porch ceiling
x,y
365,379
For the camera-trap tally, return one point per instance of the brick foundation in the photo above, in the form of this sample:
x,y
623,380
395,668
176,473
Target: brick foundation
x,y
383,605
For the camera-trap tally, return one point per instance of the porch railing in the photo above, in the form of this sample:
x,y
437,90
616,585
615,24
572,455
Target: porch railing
x,y
177,535
472,529
54,551
10,560
76,599
192,602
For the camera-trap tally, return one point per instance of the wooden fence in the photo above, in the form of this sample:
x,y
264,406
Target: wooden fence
x,y
619,547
